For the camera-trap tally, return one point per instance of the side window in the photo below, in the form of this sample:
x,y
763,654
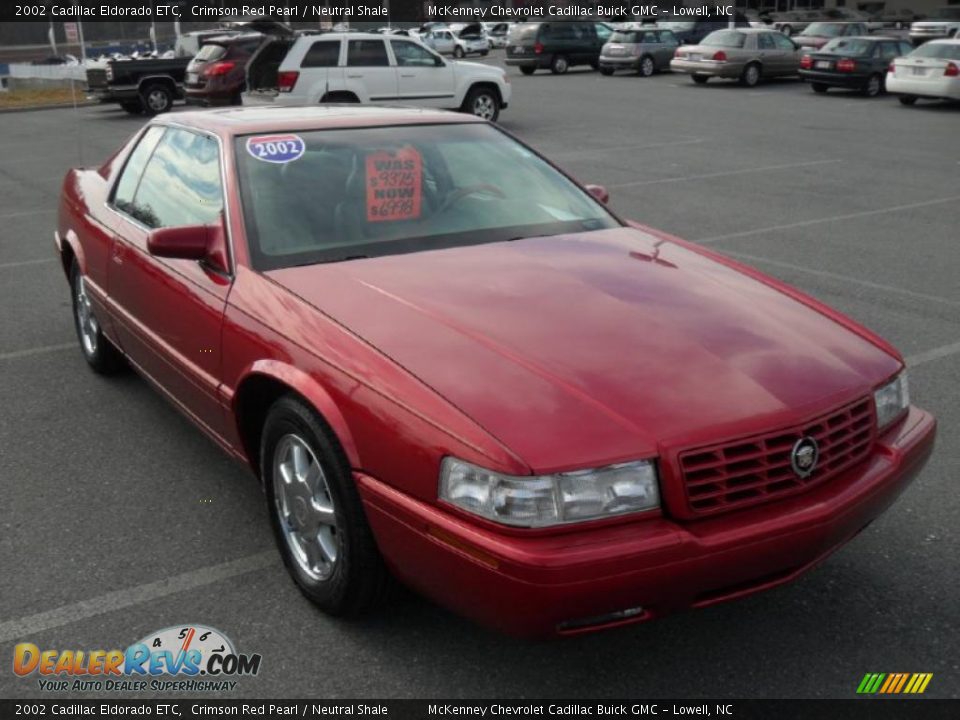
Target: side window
x,y
409,54
367,53
127,186
325,53
648,38
765,41
181,184
905,49
667,37
783,42
603,32
889,50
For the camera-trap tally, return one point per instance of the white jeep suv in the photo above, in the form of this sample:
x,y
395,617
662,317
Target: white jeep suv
x,y
371,68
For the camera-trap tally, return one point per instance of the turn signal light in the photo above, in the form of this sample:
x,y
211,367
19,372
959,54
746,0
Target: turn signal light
x,y
846,65
952,70
219,68
286,80
720,56
806,62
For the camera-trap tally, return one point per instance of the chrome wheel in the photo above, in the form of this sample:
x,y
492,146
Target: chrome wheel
x,y
86,321
157,100
646,67
305,508
751,75
485,106
874,86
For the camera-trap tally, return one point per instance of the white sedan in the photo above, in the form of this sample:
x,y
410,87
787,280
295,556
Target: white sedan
x,y
931,71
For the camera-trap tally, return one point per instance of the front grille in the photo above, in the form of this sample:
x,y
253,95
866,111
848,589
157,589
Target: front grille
x,y
733,475
97,78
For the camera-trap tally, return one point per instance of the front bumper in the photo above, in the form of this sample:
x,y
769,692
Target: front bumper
x,y
541,584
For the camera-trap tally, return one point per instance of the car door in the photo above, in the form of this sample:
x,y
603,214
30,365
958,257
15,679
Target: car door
x,y
168,313
369,71
442,41
666,47
320,71
768,53
423,77
789,53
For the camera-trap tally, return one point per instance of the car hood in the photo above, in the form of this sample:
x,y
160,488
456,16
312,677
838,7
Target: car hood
x,y
586,349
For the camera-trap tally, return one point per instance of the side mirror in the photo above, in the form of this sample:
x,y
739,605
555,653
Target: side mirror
x,y
191,242
599,192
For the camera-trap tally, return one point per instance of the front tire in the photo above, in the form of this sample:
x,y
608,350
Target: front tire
x,y
484,103
316,513
100,353
458,52
156,99
608,71
559,65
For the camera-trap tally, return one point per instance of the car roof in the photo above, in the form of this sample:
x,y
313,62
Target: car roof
x,y
230,122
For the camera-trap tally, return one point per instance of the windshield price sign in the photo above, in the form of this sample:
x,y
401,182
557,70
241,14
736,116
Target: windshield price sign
x,y
393,185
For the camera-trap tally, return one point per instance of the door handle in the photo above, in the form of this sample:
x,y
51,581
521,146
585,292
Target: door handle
x,y
354,76
411,75
116,253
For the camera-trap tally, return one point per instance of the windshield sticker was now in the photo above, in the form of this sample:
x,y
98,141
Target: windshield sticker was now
x,y
393,185
276,148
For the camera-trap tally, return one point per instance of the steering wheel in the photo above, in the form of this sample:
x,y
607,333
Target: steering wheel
x,y
460,193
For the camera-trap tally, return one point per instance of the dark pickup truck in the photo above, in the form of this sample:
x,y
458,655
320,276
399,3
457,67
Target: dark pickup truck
x,y
139,86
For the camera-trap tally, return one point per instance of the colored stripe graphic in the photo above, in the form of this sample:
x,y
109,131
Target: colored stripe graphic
x,y
894,683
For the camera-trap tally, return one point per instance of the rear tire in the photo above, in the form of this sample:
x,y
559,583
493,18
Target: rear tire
x,y
700,79
908,99
458,52
316,512
647,66
559,65
874,85
156,98
528,70
751,74
101,355
819,87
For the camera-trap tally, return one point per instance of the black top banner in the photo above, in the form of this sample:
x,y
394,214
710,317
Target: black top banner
x,y
868,709
322,12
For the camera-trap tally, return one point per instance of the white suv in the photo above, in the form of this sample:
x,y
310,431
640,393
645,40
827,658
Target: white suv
x,y
372,68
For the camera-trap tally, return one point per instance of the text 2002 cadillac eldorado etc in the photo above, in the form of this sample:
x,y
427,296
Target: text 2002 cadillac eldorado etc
x,y
447,360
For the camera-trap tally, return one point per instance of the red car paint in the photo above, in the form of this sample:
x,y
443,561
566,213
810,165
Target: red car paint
x,y
589,349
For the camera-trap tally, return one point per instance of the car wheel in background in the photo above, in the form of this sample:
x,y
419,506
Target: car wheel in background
x,y
99,352
316,512
908,99
819,87
700,79
484,103
157,99
528,70
606,71
559,65
134,107
874,85
750,75
458,52
646,66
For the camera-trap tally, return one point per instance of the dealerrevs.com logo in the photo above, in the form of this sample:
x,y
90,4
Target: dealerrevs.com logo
x,y
186,658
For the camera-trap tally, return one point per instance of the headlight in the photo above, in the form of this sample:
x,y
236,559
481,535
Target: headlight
x,y
891,400
537,501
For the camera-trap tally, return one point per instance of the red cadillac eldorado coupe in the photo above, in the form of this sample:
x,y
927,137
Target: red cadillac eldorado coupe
x,y
448,361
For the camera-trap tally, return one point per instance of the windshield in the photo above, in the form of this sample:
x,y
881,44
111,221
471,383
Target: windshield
x,y
725,38
942,51
822,29
851,48
625,36
330,195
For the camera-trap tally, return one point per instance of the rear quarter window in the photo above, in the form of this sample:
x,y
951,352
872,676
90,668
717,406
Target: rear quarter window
x,y
325,53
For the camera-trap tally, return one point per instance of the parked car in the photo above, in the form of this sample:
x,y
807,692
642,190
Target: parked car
x,y
558,45
139,86
942,23
188,44
745,54
818,34
897,17
497,33
468,40
845,14
413,376
645,51
852,62
930,71
217,74
367,67
691,32
792,22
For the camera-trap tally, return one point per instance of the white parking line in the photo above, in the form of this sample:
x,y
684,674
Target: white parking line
x,y
625,148
119,599
744,171
832,218
25,213
933,354
21,263
42,350
843,278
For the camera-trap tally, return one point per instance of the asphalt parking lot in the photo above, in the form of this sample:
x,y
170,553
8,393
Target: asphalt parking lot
x,y
119,518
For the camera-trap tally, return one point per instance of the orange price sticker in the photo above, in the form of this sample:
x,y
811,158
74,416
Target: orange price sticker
x,y
394,182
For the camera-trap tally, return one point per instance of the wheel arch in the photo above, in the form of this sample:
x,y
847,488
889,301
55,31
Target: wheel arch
x,y
483,84
157,80
264,383
70,250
